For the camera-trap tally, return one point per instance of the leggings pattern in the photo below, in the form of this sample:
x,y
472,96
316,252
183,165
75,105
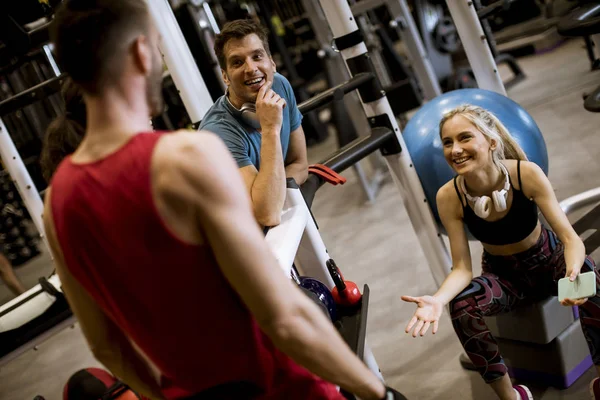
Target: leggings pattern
x,y
511,281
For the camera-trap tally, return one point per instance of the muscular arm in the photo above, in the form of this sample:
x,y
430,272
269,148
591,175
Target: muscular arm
x,y
105,339
449,208
538,187
296,160
267,186
207,178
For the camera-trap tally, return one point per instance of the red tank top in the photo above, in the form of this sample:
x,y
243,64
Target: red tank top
x,y
169,297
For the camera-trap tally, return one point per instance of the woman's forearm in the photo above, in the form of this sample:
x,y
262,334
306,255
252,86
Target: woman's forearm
x,y
455,283
574,253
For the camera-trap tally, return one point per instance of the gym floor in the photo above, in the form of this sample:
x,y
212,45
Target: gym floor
x,y
375,244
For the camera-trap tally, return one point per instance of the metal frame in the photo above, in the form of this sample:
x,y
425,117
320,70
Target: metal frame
x,y
180,61
323,34
406,27
342,23
475,45
297,239
23,182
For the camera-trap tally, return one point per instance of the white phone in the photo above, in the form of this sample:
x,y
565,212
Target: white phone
x,y
582,287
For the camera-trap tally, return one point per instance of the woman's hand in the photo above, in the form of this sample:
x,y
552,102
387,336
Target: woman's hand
x,y
429,311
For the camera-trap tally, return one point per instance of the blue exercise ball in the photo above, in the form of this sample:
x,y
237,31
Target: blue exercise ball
x,y
422,135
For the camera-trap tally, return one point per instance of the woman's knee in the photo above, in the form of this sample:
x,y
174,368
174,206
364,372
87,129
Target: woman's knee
x,y
467,301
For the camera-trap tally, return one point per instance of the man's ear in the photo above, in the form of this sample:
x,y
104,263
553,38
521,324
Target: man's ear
x,y
225,77
142,54
274,65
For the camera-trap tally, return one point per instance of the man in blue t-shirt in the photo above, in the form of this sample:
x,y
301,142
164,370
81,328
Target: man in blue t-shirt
x,y
273,147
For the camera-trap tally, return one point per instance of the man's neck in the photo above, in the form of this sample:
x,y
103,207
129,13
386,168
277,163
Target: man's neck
x,y
111,122
234,100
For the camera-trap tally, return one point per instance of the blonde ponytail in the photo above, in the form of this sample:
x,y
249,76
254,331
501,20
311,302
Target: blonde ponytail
x,y
488,124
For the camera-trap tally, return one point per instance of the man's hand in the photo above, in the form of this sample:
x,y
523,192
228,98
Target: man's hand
x,y
269,109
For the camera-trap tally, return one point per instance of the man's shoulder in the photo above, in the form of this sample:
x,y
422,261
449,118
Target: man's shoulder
x,y
183,146
281,83
185,161
220,121
216,112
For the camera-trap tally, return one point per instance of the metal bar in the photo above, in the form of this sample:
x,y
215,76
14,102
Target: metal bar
x,y
211,18
284,238
334,93
358,149
490,9
48,51
18,172
311,257
475,44
580,200
32,95
180,61
346,157
363,6
419,59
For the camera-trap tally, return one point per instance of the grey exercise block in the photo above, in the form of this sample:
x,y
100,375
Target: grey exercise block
x,y
539,323
564,359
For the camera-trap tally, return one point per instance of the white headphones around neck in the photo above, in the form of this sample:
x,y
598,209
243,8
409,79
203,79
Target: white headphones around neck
x,y
482,205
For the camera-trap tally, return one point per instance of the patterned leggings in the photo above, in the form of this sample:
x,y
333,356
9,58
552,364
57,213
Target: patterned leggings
x,y
511,281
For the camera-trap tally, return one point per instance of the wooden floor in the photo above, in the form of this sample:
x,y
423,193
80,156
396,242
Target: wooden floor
x,y
375,244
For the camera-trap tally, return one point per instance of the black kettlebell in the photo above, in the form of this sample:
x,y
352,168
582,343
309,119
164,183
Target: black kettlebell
x,y
316,300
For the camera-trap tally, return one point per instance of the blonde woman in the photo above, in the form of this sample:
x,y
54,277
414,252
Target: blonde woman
x,y
522,260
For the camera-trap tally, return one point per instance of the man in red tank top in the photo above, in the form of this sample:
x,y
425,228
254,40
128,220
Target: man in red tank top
x,y
157,247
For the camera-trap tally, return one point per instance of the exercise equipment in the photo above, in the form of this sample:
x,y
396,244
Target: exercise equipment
x,y
322,294
17,242
199,27
429,15
485,14
445,36
584,21
422,135
345,293
317,300
97,384
346,111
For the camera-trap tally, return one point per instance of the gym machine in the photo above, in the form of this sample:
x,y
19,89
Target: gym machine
x,y
347,114
584,21
199,27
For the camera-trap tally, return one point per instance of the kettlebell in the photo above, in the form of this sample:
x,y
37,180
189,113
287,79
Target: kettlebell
x,y
345,293
322,294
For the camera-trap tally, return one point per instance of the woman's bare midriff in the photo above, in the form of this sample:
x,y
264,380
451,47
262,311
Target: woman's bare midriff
x,y
514,248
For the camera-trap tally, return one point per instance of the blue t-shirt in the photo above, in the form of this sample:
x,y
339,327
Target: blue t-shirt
x,y
244,141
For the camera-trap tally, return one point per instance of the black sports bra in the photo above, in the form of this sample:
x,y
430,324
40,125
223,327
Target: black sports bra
x,y
516,225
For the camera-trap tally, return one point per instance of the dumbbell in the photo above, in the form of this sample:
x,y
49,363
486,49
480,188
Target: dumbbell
x,y
345,293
